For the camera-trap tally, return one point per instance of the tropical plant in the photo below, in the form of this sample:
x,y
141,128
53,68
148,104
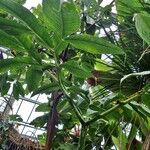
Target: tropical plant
x,y
58,49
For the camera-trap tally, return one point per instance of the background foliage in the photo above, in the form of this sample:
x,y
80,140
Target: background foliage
x,y
98,84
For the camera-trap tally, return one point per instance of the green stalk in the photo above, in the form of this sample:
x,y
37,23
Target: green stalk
x,y
118,105
76,110
81,144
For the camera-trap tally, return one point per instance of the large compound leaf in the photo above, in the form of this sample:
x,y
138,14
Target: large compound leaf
x,y
93,44
62,18
142,22
15,63
28,18
33,78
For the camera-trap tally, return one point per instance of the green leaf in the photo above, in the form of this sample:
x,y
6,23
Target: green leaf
x,y
18,90
76,69
62,18
101,65
5,88
47,88
143,109
94,45
33,78
26,40
12,27
95,108
146,99
40,121
70,19
42,138
51,9
146,95
138,111
132,133
18,31
142,23
15,63
15,118
20,1
18,36
121,140
28,18
9,41
43,108
62,105
66,146
60,47
128,7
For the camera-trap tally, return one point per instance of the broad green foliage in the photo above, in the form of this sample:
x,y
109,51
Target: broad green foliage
x,y
121,140
16,63
40,121
142,22
18,90
9,41
33,78
17,34
43,108
128,7
12,27
46,88
67,147
56,49
93,45
62,18
76,69
28,18
15,118
20,1
146,96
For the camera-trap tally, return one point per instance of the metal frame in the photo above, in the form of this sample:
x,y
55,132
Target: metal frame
x,y
25,124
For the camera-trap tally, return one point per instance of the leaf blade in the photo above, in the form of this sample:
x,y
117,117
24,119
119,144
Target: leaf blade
x,y
142,23
47,88
33,78
28,18
93,44
15,63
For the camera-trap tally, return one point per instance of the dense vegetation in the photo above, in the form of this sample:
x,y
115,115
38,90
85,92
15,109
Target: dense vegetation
x,y
97,84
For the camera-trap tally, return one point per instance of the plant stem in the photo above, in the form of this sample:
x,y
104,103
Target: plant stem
x,y
118,105
70,100
81,144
